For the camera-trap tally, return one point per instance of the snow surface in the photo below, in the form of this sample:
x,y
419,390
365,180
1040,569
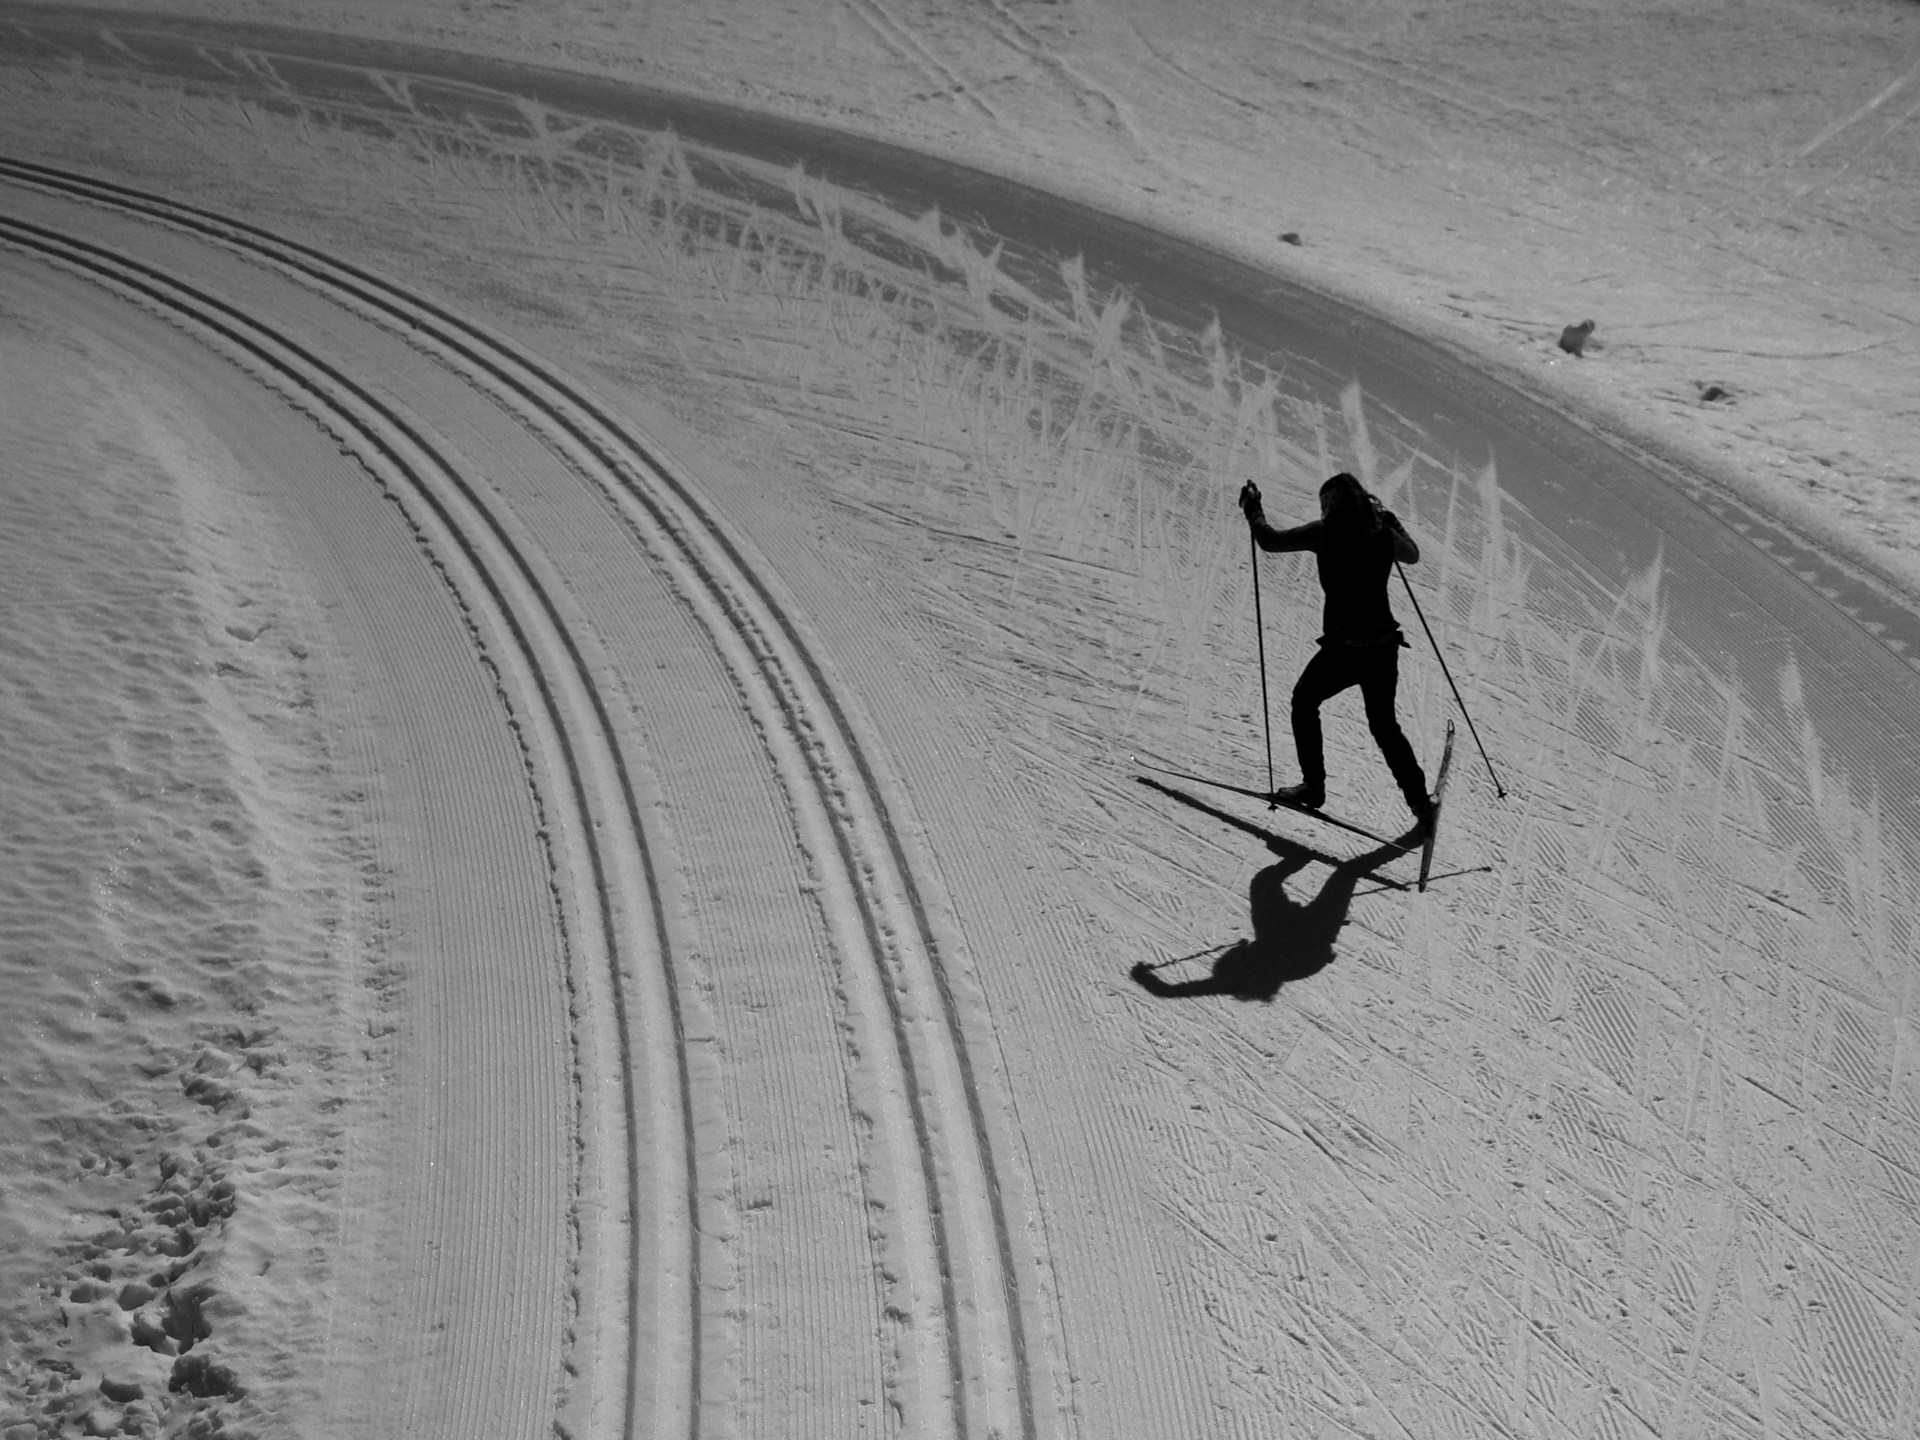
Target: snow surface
x,y
910,1068
1731,191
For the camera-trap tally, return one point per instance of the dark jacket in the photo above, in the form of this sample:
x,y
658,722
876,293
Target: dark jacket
x,y
1355,563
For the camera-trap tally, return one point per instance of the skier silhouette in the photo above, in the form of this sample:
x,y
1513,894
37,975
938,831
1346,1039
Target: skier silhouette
x,y
1355,544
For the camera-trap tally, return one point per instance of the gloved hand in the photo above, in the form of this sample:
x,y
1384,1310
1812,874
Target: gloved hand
x,y
1250,503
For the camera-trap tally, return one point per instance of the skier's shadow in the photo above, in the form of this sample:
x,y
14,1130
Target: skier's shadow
x,y
1291,939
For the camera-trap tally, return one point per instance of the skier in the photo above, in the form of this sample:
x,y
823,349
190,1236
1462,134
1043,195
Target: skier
x,y
1354,544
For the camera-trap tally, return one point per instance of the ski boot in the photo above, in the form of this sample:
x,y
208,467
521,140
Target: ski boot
x,y
1307,795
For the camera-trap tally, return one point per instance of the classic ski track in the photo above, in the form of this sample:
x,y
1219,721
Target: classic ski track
x,y
968,1242
469,545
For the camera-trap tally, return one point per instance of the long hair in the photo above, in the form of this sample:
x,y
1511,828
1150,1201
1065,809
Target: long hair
x,y
1349,508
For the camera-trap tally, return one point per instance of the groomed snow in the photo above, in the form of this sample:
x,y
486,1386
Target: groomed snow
x,y
1728,190
514,931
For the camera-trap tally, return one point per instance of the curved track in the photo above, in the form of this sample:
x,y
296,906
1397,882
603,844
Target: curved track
x,y
962,1358
1455,1182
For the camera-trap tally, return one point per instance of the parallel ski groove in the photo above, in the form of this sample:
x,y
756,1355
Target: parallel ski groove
x,y
377,428
784,659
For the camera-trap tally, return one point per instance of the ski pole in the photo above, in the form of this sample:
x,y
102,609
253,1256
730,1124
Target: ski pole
x,y
1472,729
1260,631
1179,959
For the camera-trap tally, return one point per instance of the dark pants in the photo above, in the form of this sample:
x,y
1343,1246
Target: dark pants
x,y
1376,670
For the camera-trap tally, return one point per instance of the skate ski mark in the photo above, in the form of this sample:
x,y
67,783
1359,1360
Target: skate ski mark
x,y
1088,94
901,40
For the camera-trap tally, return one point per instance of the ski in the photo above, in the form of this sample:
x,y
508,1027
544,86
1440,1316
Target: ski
x,y
1439,794
1277,804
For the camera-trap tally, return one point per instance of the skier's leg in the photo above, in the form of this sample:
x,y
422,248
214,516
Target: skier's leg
x,y
1379,686
1326,675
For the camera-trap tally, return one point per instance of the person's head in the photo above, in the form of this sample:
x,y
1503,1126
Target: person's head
x,y
1345,504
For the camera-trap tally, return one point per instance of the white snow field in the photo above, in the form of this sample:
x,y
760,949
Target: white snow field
x,y
576,702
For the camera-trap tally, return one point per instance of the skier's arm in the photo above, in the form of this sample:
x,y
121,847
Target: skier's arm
x,y
1300,537
1404,550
